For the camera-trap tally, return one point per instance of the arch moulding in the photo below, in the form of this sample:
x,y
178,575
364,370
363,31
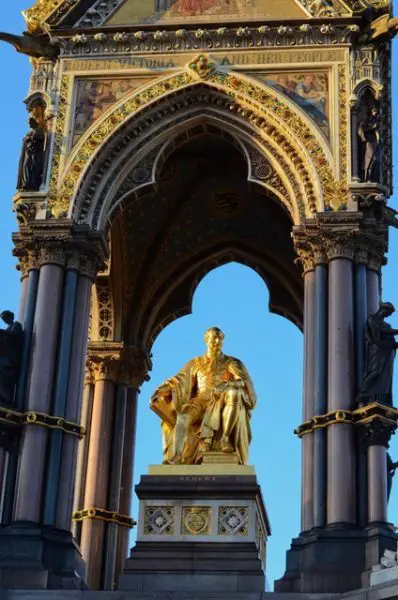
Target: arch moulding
x,y
278,127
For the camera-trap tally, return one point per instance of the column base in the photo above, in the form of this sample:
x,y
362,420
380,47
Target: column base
x,y
39,557
336,559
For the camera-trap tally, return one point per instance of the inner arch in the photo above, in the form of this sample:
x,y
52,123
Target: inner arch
x,y
203,213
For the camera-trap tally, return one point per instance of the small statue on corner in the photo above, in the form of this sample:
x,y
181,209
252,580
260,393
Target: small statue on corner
x,y
381,348
10,355
369,134
31,164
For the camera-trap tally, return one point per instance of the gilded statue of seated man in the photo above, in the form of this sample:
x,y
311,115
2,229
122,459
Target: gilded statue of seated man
x,y
206,407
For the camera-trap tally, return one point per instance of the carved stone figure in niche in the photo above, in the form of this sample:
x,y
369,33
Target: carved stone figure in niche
x,y
10,353
31,164
381,348
369,134
206,407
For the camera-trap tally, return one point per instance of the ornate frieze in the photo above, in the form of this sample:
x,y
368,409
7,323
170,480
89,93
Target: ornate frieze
x,y
208,40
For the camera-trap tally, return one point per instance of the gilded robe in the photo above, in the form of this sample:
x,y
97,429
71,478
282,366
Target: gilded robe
x,y
194,395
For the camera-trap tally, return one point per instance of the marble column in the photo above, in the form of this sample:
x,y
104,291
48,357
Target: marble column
x,y
73,412
307,495
58,407
341,379
112,529
22,302
373,290
30,268
126,489
320,392
377,444
83,448
98,471
377,482
42,364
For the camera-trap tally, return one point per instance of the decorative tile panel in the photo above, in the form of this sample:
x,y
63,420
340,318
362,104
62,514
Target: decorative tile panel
x,y
159,520
233,520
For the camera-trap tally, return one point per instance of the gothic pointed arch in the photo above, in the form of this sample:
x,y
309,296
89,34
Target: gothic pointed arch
x,y
144,118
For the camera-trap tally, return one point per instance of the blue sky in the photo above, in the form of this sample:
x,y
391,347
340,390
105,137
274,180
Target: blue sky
x,y
232,297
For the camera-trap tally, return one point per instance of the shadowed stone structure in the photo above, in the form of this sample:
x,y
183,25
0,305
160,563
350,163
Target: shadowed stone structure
x,y
173,138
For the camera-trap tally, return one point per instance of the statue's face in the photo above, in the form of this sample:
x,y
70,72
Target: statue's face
x,y
214,339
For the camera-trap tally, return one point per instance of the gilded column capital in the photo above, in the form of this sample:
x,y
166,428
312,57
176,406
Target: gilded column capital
x,y
124,365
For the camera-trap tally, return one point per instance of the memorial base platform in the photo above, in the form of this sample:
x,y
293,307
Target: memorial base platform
x,y
201,527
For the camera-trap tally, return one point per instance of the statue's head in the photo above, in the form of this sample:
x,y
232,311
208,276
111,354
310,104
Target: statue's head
x,y
214,338
7,316
386,309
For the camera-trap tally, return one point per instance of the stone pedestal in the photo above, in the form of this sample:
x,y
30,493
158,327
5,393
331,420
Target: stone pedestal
x,y
201,527
338,558
33,557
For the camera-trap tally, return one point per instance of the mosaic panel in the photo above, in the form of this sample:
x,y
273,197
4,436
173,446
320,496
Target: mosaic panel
x,y
148,11
309,90
95,96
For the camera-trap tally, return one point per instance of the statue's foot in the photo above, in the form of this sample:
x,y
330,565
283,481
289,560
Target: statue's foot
x,y
226,446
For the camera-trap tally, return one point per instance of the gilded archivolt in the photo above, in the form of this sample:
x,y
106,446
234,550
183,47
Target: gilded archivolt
x,y
254,102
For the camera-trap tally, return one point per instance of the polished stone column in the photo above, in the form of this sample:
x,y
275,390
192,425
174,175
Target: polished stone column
x,y
378,443
22,302
83,448
126,488
320,392
73,407
98,473
307,495
112,529
341,379
361,315
373,290
377,483
60,394
42,364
